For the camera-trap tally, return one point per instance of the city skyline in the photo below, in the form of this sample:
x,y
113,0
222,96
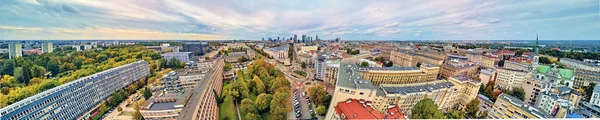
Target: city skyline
x,y
356,20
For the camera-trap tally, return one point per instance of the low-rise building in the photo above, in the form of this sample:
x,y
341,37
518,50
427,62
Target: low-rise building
x,y
235,56
164,106
361,109
509,107
579,65
488,61
278,53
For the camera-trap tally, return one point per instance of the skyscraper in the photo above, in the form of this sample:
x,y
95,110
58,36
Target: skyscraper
x,y
295,37
14,50
316,36
47,47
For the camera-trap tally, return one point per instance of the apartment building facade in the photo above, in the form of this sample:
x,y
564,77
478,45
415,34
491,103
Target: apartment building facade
x,y
72,100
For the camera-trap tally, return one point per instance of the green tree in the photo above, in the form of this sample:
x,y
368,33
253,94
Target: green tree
x,y
53,67
426,109
227,66
517,92
303,65
262,102
545,60
147,93
473,107
38,71
455,114
252,116
260,86
317,93
321,110
588,90
364,64
247,106
21,75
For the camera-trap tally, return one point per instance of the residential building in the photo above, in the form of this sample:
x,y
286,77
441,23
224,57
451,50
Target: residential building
x,y
507,79
73,99
595,99
509,107
467,90
15,50
584,78
47,47
385,87
552,104
533,87
488,61
589,110
487,75
361,109
180,56
399,75
455,67
331,71
202,104
475,57
579,65
404,58
251,54
320,67
512,65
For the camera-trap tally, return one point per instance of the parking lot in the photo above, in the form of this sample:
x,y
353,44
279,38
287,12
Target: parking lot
x,y
302,103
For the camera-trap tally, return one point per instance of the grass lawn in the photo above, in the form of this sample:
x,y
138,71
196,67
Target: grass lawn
x,y
227,109
299,72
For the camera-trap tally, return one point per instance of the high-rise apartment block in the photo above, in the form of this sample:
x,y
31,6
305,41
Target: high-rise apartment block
x,y
15,50
73,99
47,47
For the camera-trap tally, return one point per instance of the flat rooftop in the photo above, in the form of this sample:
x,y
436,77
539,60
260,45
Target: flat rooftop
x,y
366,68
350,77
531,109
415,88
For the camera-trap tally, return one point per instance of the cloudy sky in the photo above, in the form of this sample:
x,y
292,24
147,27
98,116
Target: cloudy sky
x,y
255,19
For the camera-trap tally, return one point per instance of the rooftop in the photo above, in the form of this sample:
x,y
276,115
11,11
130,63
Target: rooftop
x,y
464,78
188,112
366,68
360,109
349,77
177,53
579,62
517,102
414,88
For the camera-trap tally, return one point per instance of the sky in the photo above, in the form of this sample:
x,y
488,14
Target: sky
x,y
256,19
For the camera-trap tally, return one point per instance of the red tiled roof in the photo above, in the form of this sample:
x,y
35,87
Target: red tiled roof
x,y
360,109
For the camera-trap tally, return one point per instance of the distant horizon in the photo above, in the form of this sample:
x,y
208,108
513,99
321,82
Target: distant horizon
x,y
357,20
281,40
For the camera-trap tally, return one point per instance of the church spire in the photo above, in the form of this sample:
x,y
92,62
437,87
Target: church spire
x,y
537,44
